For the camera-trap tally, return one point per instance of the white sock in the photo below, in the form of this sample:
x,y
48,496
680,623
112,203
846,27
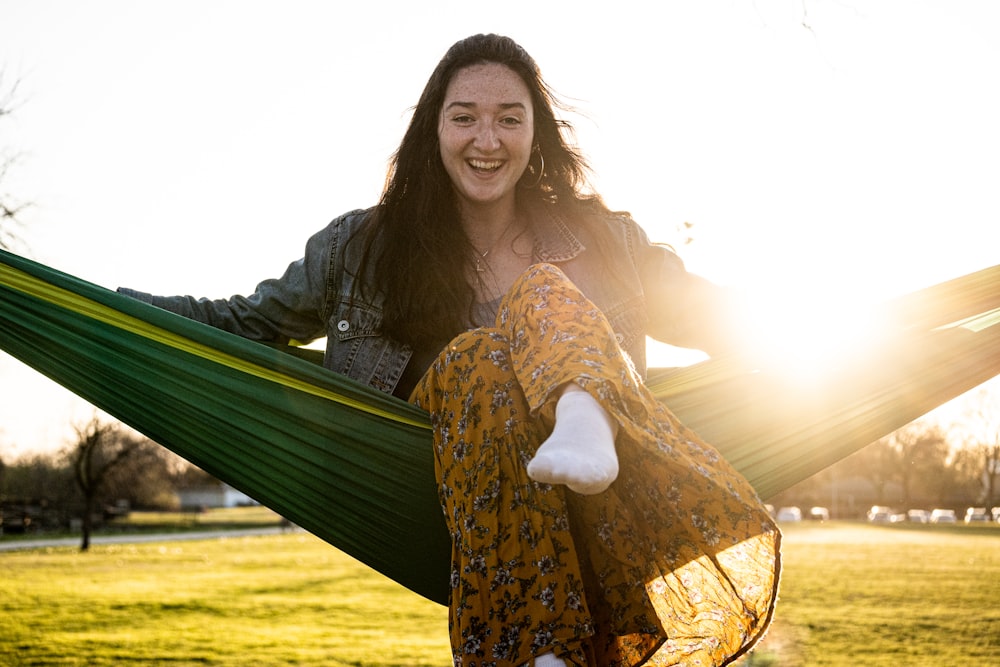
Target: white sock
x,y
580,452
549,660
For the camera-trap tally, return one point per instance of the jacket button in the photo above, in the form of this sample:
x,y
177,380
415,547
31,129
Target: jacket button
x,y
620,338
343,325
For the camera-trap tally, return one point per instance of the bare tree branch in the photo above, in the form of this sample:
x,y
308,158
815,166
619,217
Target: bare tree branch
x,y
10,206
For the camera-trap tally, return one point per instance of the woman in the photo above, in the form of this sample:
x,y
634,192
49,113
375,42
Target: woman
x,y
589,527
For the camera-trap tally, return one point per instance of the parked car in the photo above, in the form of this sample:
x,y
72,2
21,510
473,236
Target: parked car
x,y
819,514
942,516
976,515
882,514
789,514
918,516
996,514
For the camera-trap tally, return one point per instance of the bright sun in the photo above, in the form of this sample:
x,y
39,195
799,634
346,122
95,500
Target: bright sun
x,y
804,339
808,341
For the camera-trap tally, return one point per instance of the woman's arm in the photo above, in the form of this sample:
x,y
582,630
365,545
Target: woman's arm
x,y
685,309
279,310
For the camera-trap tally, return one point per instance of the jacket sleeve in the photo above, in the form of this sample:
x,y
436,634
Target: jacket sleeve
x,y
279,310
684,309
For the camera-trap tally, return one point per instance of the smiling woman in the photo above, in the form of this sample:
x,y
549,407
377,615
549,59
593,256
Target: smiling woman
x,y
505,299
873,126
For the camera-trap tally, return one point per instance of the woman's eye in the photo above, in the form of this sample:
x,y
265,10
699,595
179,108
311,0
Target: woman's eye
x,y
511,120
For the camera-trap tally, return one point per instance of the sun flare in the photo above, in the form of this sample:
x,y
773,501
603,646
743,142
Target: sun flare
x,y
811,339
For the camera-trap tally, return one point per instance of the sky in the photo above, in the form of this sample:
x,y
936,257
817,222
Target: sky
x,y
824,152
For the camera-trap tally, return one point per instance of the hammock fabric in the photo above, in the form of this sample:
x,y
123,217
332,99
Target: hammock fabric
x,y
353,465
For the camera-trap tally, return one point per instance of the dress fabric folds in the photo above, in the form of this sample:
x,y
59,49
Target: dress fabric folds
x,y
676,563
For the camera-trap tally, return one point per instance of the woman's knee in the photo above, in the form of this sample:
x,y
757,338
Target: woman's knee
x,y
535,283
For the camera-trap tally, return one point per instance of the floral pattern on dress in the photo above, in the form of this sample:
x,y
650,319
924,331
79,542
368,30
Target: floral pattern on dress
x,y
677,563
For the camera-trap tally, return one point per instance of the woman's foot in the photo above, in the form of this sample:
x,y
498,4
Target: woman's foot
x,y
580,452
549,660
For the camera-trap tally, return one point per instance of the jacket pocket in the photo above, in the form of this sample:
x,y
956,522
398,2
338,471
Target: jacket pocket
x,y
354,320
357,349
353,341
628,319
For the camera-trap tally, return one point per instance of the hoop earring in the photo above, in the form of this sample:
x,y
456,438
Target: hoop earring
x,y
540,172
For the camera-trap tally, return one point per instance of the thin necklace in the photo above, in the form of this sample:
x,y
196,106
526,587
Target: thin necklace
x,y
481,257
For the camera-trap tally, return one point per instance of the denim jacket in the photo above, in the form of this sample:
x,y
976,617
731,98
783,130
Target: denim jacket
x,y
642,288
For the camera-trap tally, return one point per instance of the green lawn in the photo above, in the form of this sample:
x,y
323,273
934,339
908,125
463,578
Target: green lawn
x,y
903,595
852,594
236,517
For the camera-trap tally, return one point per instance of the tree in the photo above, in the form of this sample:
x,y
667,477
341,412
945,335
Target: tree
x,y
921,453
879,464
10,206
101,452
982,429
912,467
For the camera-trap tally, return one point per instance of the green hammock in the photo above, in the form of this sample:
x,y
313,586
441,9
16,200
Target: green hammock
x,y
353,465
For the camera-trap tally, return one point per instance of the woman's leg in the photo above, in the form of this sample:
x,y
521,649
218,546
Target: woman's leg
x,y
517,590
679,555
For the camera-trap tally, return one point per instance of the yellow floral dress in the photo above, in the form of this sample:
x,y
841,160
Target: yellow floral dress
x,y
677,563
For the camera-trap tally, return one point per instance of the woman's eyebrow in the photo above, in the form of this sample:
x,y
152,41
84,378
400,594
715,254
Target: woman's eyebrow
x,y
472,105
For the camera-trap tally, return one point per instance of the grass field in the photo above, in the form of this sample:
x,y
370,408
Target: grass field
x,y
852,594
237,517
857,594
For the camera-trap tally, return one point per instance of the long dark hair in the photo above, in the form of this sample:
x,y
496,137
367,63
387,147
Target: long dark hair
x,y
416,251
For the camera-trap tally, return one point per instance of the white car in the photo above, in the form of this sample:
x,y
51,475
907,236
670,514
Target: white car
x,y
943,516
819,514
789,514
881,514
977,515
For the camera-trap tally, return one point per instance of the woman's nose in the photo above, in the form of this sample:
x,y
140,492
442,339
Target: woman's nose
x,y
486,138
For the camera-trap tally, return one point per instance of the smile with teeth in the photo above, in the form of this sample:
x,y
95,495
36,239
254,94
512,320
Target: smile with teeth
x,y
485,165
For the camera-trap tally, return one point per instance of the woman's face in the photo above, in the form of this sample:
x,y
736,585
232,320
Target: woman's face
x,y
486,131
